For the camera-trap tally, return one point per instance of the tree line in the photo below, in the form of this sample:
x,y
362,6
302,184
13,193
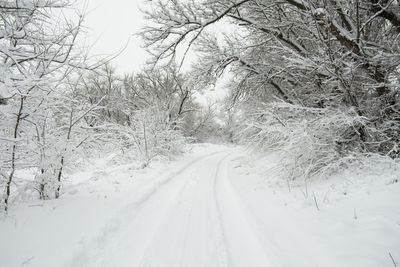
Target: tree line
x,y
318,80
57,106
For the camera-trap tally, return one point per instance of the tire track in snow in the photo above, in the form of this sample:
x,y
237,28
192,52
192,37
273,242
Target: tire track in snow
x,y
244,246
93,250
186,237
190,218
224,258
155,186
165,218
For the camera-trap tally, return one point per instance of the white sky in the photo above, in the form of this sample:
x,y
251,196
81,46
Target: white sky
x,y
110,25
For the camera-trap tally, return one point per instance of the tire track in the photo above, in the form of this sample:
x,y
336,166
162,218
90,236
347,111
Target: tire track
x,y
244,245
93,252
225,259
182,235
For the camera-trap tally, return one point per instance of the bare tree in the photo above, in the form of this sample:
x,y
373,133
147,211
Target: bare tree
x,y
317,54
36,49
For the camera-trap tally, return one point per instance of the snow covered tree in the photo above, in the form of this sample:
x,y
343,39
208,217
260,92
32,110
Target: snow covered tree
x,y
143,111
36,51
331,57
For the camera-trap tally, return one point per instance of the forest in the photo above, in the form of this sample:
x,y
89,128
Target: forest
x,y
316,81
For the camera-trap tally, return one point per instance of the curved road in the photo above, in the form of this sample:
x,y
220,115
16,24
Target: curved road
x,y
190,218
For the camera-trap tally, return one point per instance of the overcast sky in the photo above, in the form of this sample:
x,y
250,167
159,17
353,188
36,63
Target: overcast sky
x,y
111,24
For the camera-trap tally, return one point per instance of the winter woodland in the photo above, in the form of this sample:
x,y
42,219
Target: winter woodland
x,y
317,82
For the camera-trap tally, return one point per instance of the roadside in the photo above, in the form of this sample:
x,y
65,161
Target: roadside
x,y
350,219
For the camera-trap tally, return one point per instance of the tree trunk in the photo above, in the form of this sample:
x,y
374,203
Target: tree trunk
x,y
13,153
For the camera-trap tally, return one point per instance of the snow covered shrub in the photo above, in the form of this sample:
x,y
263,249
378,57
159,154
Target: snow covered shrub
x,y
313,140
383,125
150,134
155,136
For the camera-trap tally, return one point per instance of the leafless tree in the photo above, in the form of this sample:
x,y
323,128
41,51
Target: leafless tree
x,y
36,50
314,56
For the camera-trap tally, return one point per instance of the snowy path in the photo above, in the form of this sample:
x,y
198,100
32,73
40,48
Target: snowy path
x,y
192,218
205,210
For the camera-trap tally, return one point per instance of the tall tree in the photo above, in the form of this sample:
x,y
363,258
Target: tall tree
x,y
315,54
36,52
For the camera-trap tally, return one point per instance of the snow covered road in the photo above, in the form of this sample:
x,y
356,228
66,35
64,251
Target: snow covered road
x,y
205,210
191,218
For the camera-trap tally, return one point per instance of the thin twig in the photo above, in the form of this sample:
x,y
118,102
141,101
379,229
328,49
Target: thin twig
x,y
394,263
315,200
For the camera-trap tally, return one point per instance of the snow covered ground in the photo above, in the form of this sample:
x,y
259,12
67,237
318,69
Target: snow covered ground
x,y
215,206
